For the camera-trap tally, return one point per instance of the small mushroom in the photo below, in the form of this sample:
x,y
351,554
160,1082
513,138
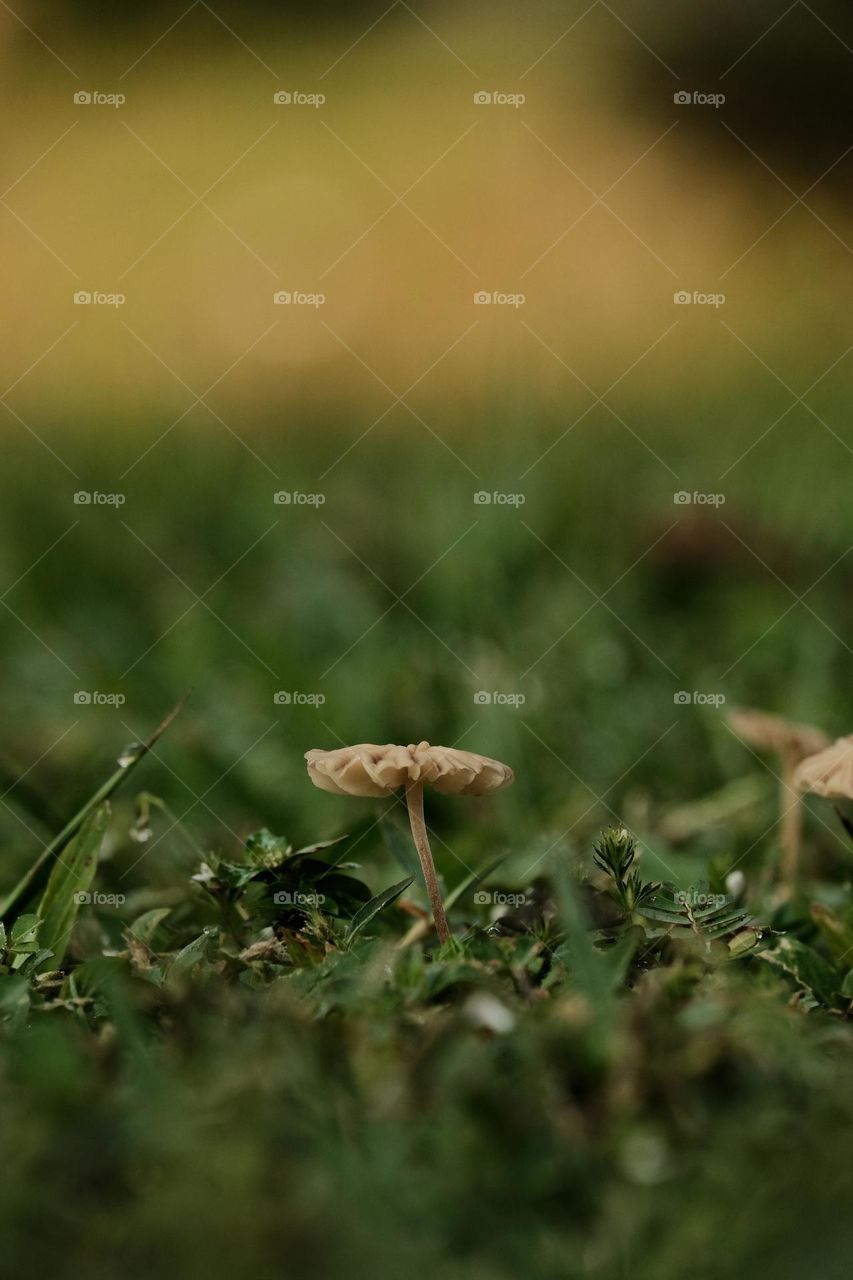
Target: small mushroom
x,y
828,772
791,743
370,770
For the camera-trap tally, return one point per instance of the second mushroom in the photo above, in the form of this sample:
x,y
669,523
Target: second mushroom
x,y
371,770
790,743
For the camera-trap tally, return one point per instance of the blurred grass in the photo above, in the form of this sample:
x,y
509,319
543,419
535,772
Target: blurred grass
x,y
502,599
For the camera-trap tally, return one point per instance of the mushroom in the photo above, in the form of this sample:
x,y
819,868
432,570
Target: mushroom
x,y
370,770
828,772
792,743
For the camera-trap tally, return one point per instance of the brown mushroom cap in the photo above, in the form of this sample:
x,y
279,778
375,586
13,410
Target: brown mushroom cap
x,y
830,772
767,732
371,770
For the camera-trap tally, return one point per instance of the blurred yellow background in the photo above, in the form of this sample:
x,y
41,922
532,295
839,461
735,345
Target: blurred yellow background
x,y
396,199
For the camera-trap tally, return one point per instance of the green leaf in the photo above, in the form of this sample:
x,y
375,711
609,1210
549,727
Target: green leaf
x,y
319,846
68,885
24,936
807,968
263,849
145,926
194,952
235,875
343,894
372,908
33,963
743,942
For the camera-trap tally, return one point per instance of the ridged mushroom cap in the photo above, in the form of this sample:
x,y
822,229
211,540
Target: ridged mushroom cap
x,y
371,770
767,732
830,772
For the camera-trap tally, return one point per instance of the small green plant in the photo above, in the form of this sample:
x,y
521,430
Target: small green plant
x,y
614,853
699,913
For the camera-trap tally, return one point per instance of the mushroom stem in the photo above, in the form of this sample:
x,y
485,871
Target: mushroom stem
x,y
415,805
791,821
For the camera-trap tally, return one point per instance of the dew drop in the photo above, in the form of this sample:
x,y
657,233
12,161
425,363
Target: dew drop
x,y
130,754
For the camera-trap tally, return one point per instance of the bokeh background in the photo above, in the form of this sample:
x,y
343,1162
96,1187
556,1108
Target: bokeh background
x,y
628,156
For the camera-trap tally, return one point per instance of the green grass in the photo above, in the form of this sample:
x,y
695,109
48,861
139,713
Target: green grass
x,y
581,1098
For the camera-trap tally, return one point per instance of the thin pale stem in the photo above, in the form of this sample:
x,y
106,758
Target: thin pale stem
x,y
791,822
415,805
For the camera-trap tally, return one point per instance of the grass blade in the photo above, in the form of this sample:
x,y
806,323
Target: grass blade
x,y
365,914
586,964
473,881
33,879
